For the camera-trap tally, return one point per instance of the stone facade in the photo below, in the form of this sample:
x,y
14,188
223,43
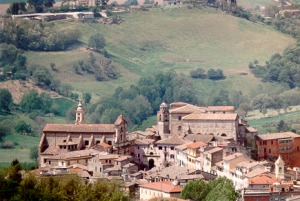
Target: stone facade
x,y
63,138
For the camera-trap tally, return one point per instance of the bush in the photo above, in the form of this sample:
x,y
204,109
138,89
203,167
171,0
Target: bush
x,y
198,73
97,41
215,74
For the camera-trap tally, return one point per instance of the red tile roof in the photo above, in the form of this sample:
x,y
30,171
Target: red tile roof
x,y
165,186
210,116
273,136
263,179
82,128
196,145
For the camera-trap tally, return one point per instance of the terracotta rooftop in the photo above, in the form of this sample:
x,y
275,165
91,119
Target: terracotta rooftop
x,y
233,156
104,145
263,179
273,136
213,150
210,116
81,128
143,141
175,140
187,109
220,108
256,171
177,104
182,147
199,137
75,154
165,186
122,158
196,145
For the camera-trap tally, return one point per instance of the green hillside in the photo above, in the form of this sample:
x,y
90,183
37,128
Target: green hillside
x,y
178,39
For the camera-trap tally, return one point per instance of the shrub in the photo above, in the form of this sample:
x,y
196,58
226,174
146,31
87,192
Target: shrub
x,y
198,73
7,145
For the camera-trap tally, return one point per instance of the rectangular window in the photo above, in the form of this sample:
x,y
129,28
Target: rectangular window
x,y
109,142
86,142
179,118
172,148
179,128
160,147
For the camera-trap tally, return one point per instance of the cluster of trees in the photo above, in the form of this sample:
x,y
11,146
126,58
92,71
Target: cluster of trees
x,y
32,35
69,187
102,70
283,68
143,99
38,6
218,189
212,74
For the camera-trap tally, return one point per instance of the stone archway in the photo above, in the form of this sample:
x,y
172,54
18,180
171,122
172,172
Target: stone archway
x,y
224,135
151,163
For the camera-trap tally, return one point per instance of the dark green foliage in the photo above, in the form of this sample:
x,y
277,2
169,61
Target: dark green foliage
x,y
97,42
198,73
16,8
5,100
241,12
143,99
283,68
219,97
87,97
23,128
39,5
5,129
215,190
215,74
282,126
42,77
32,35
32,101
34,153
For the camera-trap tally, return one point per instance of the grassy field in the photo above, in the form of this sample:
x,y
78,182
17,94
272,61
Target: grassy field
x,y
260,122
176,39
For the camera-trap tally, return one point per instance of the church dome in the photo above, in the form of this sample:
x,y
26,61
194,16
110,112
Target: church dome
x,y
79,107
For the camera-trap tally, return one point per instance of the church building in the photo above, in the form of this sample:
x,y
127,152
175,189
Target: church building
x,y
184,119
63,138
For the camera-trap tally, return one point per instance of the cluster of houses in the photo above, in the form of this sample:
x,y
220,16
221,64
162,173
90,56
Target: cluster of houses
x,y
188,143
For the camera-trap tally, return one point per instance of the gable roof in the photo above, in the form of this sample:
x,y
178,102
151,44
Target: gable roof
x,y
144,141
211,116
165,186
273,136
199,137
80,128
175,140
187,109
220,108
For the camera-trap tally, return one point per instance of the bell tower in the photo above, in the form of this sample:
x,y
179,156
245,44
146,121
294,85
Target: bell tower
x,y
163,119
279,168
79,114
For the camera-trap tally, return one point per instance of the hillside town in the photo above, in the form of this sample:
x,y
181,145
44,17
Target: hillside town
x,y
188,143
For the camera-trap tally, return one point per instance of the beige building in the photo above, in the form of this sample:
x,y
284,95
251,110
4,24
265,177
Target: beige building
x,y
63,138
185,119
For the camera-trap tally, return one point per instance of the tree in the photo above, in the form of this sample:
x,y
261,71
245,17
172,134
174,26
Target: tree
x,y
282,126
5,100
5,129
34,153
215,190
196,190
198,73
42,77
215,74
87,97
23,128
97,42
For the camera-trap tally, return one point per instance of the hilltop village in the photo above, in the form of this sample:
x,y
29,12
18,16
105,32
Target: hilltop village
x,y
188,143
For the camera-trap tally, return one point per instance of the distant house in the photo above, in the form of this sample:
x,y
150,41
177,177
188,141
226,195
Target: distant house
x,y
165,189
287,145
